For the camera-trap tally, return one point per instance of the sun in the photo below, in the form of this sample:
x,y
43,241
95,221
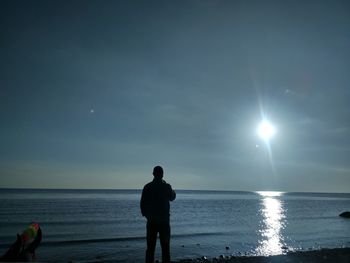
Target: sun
x,y
266,130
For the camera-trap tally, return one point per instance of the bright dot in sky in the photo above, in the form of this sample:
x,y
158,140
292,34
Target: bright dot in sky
x,y
266,130
92,111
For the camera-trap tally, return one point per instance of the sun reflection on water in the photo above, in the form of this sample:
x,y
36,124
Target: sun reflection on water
x,y
271,242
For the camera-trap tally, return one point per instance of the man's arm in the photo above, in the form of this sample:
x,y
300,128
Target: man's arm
x,y
172,194
143,203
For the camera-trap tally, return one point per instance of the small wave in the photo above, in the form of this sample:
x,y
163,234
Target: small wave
x,y
94,240
118,239
59,223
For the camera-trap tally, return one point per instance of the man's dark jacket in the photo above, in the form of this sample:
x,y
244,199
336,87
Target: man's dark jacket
x,y
155,200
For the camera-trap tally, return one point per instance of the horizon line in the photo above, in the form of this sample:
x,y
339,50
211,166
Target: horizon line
x,y
140,189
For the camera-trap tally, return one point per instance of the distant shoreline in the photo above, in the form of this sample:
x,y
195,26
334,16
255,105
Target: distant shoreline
x,y
180,190
339,255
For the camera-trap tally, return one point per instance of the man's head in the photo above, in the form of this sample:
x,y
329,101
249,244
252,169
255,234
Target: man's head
x,y
158,172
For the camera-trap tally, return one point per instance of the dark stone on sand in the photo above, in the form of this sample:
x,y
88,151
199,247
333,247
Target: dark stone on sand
x,y
345,214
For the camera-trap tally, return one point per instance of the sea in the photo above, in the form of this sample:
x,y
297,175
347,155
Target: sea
x,y
107,226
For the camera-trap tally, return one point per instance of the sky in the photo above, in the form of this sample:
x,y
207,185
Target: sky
x,y
94,94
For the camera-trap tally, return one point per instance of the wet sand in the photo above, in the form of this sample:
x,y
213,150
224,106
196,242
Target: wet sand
x,y
337,255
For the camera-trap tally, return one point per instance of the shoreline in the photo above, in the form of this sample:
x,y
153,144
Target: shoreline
x,y
339,255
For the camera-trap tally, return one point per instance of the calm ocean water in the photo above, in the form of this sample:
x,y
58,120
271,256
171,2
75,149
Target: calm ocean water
x,y
106,225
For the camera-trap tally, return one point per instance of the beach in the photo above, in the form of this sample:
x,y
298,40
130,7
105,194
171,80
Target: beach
x,y
339,255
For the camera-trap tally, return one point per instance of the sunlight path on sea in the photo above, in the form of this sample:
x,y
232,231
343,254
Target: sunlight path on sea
x,y
271,241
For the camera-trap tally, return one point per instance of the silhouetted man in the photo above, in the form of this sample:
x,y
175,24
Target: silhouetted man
x,y
156,208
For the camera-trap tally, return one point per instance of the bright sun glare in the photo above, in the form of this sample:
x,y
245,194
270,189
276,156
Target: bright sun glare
x,y
266,130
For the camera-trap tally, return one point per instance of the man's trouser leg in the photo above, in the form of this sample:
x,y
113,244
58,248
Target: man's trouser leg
x,y
164,236
151,241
